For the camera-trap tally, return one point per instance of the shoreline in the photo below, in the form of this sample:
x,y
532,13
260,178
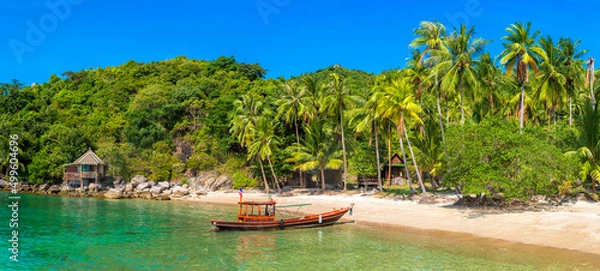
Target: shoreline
x,y
572,229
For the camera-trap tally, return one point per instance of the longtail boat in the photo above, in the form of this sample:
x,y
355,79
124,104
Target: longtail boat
x,y
257,215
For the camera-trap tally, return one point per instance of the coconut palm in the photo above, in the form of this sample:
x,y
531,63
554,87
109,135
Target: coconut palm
x,y
521,54
290,106
338,98
490,81
589,141
432,36
318,150
262,144
572,68
459,63
313,93
396,102
551,86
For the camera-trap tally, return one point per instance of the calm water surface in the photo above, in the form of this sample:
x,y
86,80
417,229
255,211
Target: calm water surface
x,y
61,233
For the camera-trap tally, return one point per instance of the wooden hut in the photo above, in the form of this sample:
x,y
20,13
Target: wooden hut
x,y
86,169
394,168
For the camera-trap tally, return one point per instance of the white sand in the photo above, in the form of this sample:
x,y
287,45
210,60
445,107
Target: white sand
x,y
574,227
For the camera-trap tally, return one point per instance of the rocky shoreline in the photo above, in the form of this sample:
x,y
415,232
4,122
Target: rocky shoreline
x,y
138,188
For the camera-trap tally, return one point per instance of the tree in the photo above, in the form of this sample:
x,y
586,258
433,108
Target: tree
x,y
318,150
263,143
572,68
459,63
395,102
521,54
551,88
290,106
338,98
589,142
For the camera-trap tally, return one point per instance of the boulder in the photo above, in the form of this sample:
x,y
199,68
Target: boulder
x,y
112,194
152,183
144,195
286,189
53,189
163,196
128,188
119,183
3,184
179,192
95,187
43,187
157,189
65,189
137,180
141,186
166,185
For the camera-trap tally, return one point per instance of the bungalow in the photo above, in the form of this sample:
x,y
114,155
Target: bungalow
x,y
86,169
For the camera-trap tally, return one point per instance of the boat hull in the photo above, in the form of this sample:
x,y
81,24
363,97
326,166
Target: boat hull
x,y
311,221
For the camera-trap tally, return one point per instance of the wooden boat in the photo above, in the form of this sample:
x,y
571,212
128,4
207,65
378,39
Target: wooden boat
x,y
256,215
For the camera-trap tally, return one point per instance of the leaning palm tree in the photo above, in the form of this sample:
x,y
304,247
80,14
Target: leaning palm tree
x,y
318,150
395,103
572,67
262,145
521,54
339,98
459,63
290,106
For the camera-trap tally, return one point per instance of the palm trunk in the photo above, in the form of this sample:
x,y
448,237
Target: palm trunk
x,y
322,179
570,112
389,145
345,174
262,170
379,184
412,189
274,176
441,117
412,154
462,106
522,107
298,142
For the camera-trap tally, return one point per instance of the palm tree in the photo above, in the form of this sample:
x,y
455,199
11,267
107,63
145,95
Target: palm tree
x,y
432,35
262,144
589,139
290,105
364,119
313,92
318,150
490,80
590,79
340,97
395,102
572,68
521,53
459,63
551,87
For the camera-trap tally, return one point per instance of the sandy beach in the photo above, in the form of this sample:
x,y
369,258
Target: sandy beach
x,y
573,227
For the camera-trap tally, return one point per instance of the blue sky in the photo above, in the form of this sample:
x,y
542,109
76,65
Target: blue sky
x,y
287,37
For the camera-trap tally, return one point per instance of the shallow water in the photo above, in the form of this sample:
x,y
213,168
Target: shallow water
x,y
61,233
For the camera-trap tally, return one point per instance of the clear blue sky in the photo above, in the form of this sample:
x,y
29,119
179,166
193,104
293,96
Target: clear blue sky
x,y
287,37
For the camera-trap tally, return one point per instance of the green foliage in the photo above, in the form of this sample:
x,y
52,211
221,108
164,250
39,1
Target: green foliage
x,y
240,179
492,157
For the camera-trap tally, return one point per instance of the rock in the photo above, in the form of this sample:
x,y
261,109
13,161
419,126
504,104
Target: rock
x,y
429,200
119,183
53,189
163,196
152,183
113,194
166,185
157,189
286,189
65,189
179,192
128,188
186,186
144,195
95,187
43,187
141,186
210,181
3,184
137,180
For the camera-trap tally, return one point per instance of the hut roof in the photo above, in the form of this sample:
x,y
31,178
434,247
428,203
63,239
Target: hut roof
x,y
88,158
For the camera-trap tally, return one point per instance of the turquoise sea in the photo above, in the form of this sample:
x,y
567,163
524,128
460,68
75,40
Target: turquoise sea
x,y
61,233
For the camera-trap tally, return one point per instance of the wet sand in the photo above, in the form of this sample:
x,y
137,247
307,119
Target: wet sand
x,y
575,227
